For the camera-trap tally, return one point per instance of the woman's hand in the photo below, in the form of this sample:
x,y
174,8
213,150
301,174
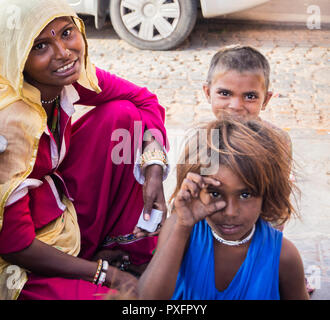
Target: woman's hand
x,y
121,260
187,203
121,275
115,257
153,196
124,282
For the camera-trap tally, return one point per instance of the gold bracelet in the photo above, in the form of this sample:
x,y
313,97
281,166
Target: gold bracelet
x,y
98,270
149,156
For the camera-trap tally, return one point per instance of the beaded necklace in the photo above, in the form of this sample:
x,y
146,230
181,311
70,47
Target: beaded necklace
x,y
55,117
236,242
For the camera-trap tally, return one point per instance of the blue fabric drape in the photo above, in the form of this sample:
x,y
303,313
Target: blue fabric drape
x,y
256,279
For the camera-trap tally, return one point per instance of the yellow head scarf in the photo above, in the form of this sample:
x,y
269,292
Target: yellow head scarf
x,y
22,117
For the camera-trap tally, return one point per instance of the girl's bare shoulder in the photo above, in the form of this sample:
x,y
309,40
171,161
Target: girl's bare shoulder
x,y
291,273
289,253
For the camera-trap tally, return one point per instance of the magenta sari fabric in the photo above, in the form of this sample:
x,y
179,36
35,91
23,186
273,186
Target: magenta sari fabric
x,y
42,288
107,198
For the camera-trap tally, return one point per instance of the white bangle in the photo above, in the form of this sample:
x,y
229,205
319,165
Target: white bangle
x,y
101,278
105,265
103,274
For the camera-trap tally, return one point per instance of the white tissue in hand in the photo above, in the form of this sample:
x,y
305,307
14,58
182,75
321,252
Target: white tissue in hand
x,y
152,224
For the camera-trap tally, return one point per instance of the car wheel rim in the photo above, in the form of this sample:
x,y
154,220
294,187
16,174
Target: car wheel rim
x,y
150,20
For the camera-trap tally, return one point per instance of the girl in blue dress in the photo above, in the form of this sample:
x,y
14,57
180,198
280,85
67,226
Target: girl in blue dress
x,y
218,243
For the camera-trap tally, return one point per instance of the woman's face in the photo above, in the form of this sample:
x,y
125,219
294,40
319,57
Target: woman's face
x,y
56,57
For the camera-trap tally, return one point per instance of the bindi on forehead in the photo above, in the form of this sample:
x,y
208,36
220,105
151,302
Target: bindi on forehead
x,y
55,26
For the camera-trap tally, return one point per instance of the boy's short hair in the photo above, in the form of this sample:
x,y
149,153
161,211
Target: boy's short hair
x,y
241,59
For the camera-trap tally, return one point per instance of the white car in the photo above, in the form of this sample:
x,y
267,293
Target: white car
x,y
164,24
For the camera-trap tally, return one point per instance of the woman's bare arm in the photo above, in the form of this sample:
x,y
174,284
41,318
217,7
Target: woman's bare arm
x,y
45,260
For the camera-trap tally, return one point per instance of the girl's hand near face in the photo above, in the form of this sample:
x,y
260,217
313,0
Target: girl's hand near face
x,y
188,205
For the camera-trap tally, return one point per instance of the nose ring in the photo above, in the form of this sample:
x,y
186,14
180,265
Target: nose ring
x,y
68,52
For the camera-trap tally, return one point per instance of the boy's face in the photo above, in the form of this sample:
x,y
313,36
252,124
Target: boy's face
x,y
236,93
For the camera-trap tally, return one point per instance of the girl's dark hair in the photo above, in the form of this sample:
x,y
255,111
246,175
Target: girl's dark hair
x,y
255,152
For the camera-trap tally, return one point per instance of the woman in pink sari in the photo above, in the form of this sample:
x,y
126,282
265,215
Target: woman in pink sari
x,y
71,195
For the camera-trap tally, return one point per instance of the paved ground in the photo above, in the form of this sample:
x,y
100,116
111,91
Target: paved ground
x,y
300,62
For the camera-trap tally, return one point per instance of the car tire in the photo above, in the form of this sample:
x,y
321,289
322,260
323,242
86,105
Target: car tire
x,y
153,24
